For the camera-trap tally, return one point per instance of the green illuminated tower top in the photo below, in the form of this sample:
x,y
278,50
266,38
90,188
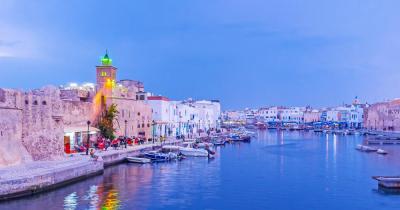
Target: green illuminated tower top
x,y
106,61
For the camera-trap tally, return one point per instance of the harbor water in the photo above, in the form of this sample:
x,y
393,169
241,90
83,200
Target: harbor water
x,y
277,170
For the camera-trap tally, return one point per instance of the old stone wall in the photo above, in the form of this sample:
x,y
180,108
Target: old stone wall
x,y
12,151
383,116
42,124
77,113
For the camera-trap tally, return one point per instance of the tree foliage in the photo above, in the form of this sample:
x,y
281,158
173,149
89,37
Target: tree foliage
x,y
107,118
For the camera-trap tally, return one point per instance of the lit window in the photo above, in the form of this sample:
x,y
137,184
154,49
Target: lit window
x,y
103,74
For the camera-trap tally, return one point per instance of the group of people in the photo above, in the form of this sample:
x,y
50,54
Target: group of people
x,y
104,143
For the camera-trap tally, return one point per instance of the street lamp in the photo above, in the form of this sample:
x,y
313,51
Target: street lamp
x,y
126,122
153,124
87,146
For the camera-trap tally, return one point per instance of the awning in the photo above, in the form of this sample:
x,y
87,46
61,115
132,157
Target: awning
x,y
74,129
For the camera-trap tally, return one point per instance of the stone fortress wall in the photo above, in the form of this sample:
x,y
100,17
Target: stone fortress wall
x,y
12,151
42,123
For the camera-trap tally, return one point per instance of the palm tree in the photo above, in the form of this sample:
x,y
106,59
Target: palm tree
x,y
107,118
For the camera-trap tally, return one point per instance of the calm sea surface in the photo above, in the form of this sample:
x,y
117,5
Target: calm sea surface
x,y
277,170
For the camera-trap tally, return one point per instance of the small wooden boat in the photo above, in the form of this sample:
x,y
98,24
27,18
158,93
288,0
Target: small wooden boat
x,y
138,160
388,181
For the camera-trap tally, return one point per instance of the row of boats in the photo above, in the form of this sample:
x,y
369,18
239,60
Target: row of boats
x,y
338,131
201,147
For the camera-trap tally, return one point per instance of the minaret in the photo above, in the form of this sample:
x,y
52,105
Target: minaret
x,y
106,76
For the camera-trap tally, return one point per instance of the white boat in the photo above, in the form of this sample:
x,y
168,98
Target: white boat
x,y
366,148
381,151
194,152
138,160
187,151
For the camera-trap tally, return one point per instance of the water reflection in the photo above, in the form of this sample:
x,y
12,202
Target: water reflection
x,y
317,171
71,201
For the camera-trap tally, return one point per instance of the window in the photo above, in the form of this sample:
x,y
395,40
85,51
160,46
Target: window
x,y
35,103
44,103
142,97
103,74
137,97
26,102
142,125
138,114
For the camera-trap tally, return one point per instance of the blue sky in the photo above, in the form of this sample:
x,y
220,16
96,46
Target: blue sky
x,y
246,53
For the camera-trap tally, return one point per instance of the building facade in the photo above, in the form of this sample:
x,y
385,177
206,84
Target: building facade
x,y
43,124
384,116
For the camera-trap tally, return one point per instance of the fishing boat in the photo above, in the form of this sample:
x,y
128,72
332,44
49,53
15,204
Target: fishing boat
x,y
138,160
157,156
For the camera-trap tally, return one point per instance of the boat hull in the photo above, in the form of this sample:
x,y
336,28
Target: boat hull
x,y
138,160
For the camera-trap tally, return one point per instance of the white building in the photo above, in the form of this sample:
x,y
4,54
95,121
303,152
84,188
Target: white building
x,y
209,113
162,115
292,114
175,118
351,115
269,114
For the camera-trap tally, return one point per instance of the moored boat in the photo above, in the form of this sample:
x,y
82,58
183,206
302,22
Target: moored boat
x,y
188,151
138,160
157,156
218,142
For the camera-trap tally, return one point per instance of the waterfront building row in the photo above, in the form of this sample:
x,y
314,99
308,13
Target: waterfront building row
x,y
46,123
351,115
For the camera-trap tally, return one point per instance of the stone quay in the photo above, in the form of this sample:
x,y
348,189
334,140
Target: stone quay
x,y
39,176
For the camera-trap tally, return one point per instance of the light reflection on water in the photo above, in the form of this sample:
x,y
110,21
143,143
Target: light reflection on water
x,y
277,170
71,201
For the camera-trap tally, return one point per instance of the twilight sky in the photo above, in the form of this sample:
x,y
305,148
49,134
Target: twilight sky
x,y
247,53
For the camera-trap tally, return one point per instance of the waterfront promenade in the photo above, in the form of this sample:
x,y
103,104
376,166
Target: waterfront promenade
x,y
38,176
